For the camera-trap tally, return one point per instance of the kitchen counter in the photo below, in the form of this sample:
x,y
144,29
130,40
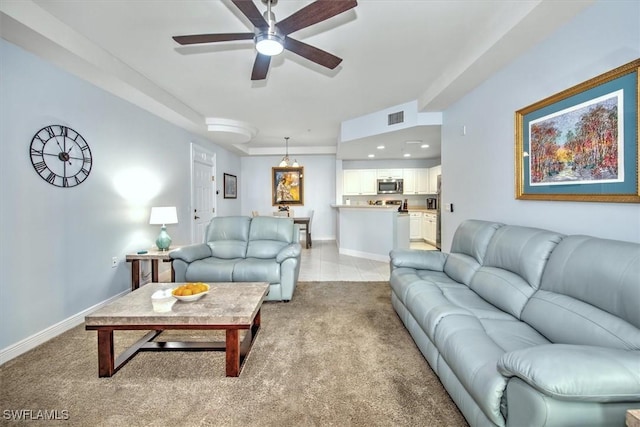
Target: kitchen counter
x,y
388,207
423,209
371,231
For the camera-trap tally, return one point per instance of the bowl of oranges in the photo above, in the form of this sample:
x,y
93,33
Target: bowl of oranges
x,y
190,291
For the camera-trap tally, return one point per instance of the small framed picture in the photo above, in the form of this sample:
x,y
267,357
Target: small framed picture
x,y
230,186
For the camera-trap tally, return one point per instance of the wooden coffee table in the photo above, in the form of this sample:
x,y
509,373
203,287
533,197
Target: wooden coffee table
x,y
231,307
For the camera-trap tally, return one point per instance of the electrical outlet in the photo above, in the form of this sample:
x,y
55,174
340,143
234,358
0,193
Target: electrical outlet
x,y
114,262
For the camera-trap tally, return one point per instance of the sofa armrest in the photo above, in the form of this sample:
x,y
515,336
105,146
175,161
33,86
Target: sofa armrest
x,y
191,253
292,250
576,372
415,258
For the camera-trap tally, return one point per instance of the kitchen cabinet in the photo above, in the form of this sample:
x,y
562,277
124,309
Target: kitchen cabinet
x,y
415,225
425,226
389,173
416,181
356,182
429,228
433,178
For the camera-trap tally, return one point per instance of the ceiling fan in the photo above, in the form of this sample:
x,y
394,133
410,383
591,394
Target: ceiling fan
x,y
272,37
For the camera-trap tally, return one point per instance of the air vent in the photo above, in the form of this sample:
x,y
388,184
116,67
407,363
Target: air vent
x,y
395,118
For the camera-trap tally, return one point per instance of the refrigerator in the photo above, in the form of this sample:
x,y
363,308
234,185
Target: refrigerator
x,y
438,211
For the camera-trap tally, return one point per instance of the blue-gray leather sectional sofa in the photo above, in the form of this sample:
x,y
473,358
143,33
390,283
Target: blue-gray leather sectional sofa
x,y
244,249
527,327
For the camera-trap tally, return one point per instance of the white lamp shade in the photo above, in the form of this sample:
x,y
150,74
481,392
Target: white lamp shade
x,y
163,215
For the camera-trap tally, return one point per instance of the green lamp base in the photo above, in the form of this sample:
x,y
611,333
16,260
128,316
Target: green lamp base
x,y
164,240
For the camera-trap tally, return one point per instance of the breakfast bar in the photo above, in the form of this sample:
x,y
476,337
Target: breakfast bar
x,y
371,232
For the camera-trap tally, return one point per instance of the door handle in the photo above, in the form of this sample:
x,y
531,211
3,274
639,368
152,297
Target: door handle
x,y
196,217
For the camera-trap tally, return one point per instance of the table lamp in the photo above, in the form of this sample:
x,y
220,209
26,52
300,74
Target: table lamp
x,y
163,215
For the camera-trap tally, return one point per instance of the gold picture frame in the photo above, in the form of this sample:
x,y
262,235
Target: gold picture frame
x,y
287,186
582,144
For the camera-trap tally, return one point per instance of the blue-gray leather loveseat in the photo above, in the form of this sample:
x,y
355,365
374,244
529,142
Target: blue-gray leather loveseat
x,y
244,249
527,327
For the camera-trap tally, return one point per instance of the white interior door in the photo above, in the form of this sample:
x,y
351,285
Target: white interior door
x,y
203,190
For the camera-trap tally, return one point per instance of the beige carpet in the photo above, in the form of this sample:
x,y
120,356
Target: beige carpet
x,y
337,354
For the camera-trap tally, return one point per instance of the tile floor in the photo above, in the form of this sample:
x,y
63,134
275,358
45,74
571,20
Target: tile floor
x,y
322,262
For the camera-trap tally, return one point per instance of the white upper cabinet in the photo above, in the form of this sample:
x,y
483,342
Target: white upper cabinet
x,y
359,182
363,182
416,181
390,173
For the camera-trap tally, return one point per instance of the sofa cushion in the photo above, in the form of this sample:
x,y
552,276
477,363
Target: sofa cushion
x,y
211,270
256,270
468,249
403,279
472,355
473,346
227,236
513,266
591,287
268,235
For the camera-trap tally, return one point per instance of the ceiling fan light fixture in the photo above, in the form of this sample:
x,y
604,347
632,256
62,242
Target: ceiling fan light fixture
x,y
269,44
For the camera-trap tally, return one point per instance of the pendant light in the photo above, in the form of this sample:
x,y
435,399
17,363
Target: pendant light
x,y
286,162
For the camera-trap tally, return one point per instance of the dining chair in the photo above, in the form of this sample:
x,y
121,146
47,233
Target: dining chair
x,y
255,213
303,228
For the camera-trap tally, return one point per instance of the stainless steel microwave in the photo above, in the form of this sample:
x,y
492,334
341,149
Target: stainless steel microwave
x,y
390,186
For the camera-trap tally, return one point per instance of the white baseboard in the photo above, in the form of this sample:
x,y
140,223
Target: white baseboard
x,y
367,255
52,331
317,239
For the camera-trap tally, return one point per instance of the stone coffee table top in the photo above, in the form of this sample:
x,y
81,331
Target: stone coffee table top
x,y
225,304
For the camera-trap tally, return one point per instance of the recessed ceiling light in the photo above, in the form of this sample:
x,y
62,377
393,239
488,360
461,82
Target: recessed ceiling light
x,y
407,154
413,142
424,146
380,147
371,155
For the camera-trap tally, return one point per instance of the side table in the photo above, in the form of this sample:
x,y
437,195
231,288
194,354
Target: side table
x,y
633,418
153,255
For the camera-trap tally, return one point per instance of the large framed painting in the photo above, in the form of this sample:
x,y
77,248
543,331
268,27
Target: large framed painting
x,y
582,144
230,186
287,186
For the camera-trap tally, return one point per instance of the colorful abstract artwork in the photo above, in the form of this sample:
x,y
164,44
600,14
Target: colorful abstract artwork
x,y
582,144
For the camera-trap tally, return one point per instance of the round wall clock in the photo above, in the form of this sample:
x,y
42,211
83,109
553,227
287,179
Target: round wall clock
x,y
61,156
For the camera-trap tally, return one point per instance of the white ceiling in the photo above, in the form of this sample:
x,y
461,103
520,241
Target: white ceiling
x,y
394,52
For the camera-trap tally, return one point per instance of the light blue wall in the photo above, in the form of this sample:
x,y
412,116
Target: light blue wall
x,y
478,169
56,244
319,190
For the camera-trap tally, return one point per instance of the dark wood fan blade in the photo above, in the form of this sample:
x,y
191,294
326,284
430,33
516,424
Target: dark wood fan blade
x,y
212,38
312,53
260,67
249,9
317,11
